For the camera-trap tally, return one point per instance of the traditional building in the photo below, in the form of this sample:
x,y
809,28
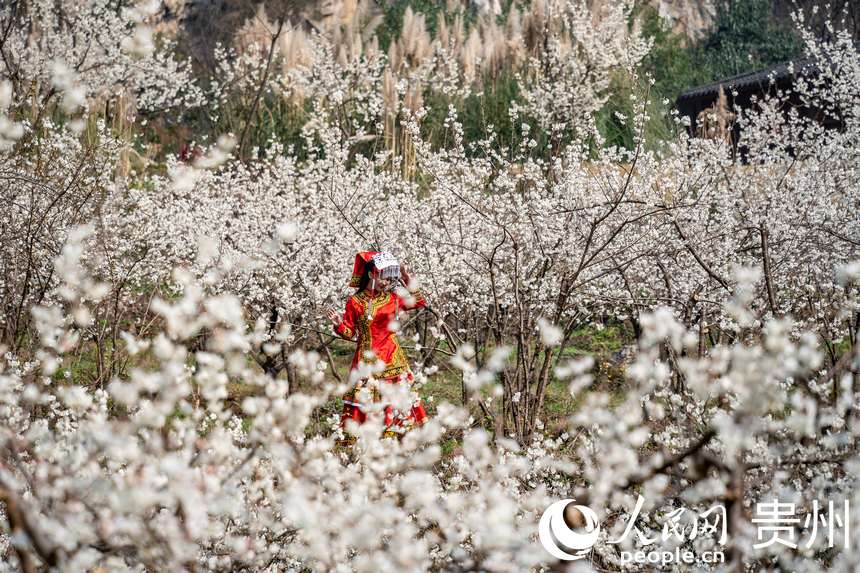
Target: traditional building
x,y
711,108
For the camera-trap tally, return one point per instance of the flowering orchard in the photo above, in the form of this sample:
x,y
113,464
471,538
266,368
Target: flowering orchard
x,y
168,380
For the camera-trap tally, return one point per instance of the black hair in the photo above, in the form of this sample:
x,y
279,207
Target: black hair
x,y
365,276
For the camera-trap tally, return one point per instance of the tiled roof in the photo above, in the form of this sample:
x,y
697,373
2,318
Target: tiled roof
x,y
757,78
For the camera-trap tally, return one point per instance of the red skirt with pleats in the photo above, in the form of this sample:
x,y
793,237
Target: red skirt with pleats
x,y
395,421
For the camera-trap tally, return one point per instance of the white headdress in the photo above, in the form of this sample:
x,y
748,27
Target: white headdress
x,y
386,264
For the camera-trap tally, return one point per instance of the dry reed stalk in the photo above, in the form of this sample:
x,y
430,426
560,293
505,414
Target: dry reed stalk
x,y
122,125
412,102
390,101
255,33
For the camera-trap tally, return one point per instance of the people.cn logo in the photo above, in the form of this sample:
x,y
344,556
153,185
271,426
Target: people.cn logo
x,y
556,534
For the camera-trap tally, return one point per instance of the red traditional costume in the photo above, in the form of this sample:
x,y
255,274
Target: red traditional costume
x,y
369,317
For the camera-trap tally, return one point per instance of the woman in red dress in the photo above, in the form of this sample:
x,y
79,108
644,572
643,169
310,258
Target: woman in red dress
x,y
369,317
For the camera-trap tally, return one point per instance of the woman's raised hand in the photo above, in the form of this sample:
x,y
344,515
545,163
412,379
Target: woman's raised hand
x,y
333,316
404,274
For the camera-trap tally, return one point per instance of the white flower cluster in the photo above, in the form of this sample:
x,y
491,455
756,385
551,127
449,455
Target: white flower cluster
x,y
93,49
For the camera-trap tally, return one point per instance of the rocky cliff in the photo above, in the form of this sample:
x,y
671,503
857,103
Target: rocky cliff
x,y
689,17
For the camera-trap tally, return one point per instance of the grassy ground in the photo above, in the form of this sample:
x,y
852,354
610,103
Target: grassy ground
x,y
605,345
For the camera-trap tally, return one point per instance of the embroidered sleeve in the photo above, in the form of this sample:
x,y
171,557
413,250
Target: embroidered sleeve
x,y
420,301
346,328
410,300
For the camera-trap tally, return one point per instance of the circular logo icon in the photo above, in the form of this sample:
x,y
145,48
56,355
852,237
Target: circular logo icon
x,y
559,539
